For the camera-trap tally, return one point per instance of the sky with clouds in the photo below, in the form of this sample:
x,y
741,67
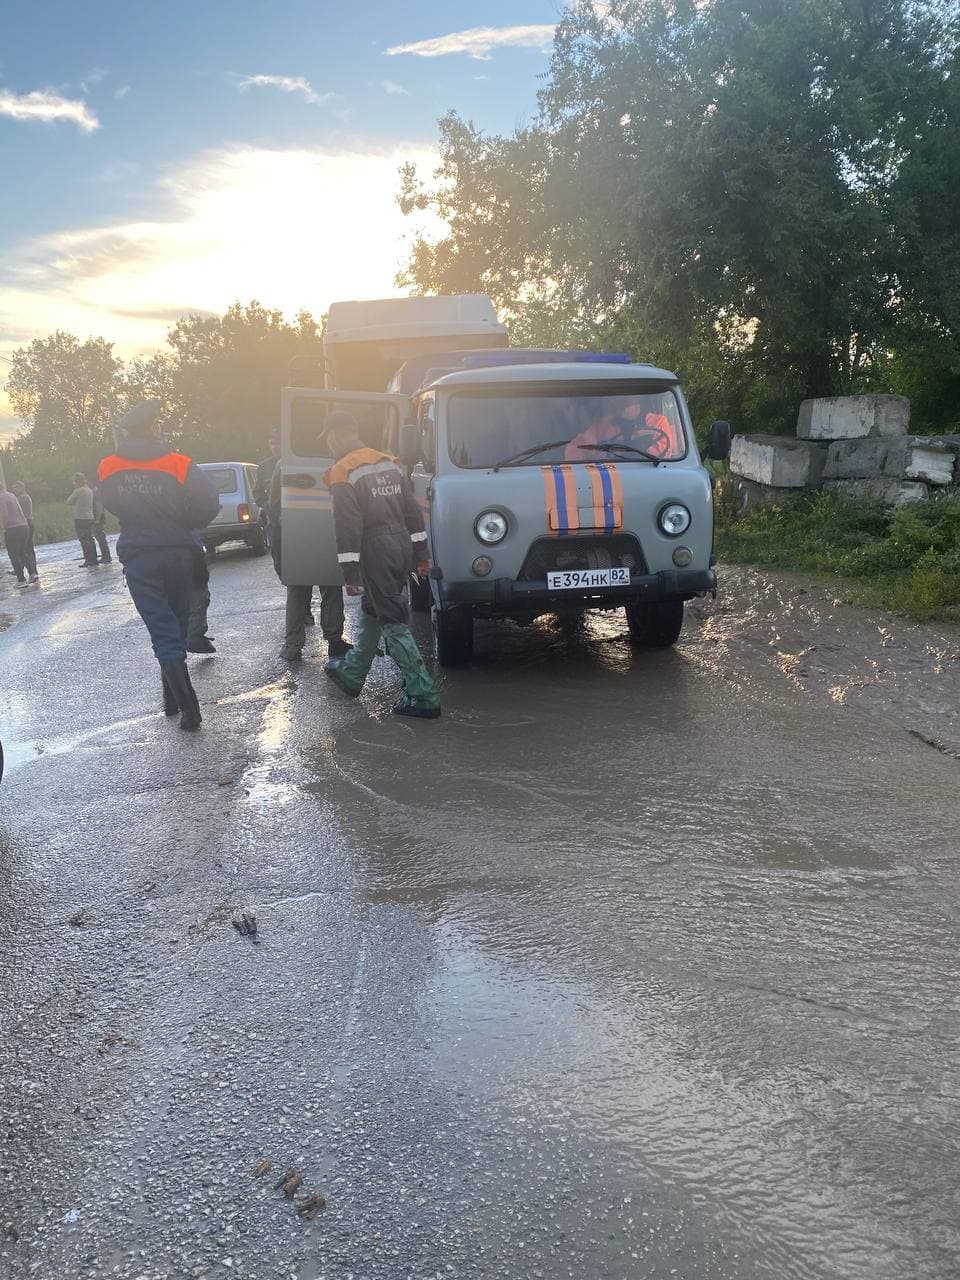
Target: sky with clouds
x,y
163,159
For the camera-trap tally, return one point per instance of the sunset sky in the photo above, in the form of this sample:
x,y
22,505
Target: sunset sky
x,y
163,159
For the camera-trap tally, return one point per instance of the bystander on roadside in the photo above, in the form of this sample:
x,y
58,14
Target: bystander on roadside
x,y
16,531
81,500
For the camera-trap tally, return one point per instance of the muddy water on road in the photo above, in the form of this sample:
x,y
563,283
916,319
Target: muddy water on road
x,y
690,913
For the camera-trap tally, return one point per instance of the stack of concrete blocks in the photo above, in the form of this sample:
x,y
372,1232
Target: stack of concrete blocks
x,y
854,445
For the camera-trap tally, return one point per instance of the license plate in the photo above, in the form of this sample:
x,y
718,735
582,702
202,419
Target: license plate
x,y
578,579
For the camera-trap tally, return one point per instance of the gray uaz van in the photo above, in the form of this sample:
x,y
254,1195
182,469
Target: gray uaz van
x,y
547,488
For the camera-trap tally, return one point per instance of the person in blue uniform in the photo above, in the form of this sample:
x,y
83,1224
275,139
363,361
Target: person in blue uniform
x,y
160,498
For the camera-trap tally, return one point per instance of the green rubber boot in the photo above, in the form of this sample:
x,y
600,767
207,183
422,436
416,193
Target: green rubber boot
x,y
351,672
420,696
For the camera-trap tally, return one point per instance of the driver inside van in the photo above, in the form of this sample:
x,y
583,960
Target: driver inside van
x,y
643,422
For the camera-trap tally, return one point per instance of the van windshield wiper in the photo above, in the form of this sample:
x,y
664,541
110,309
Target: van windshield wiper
x,y
625,448
529,453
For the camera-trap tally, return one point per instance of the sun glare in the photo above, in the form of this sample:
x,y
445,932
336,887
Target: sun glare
x,y
294,229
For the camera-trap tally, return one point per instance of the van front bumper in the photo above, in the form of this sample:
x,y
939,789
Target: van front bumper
x,y
504,595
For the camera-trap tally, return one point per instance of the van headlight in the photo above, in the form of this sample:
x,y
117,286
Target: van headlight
x,y
674,520
490,527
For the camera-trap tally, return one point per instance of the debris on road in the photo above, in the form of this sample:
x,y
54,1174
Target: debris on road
x,y
310,1207
285,1178
935,743
262,1168
292,1185
78,918
246,926
114,1038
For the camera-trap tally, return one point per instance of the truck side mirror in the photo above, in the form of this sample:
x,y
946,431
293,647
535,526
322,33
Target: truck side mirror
x,y
409,444
718,441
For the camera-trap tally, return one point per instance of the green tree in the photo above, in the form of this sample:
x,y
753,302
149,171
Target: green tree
x,y
223,376
708,181
64,391
923,209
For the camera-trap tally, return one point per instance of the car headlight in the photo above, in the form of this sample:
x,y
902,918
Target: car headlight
x,y
490,527
674,520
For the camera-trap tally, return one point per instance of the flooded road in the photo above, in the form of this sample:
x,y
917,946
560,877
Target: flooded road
x,y
634,965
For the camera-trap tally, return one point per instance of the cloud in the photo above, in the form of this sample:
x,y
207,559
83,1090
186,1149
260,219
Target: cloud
x,y
479,41
217,233
48,107
286,84
93,78
391,86
122,92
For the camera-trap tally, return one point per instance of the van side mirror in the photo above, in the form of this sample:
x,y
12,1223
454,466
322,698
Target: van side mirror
x,y
718,441
409,444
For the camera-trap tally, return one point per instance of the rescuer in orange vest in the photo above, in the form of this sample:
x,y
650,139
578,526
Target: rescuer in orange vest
x,y
162,501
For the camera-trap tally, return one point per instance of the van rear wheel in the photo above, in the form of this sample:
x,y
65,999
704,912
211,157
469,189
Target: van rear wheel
x,y
655,626
258,543
452,636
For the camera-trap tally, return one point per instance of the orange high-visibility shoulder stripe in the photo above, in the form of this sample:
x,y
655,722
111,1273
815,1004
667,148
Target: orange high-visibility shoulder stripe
x,y
340,472
174,464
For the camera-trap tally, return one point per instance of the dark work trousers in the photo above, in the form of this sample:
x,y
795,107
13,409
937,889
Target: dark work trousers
x,y
161,583
298,606
20,550
84,530
100,534
199,599
274,527
387,559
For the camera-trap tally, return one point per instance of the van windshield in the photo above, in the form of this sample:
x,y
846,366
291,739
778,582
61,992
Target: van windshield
x,y
483,428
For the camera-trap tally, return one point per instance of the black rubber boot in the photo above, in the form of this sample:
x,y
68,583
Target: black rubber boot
x,y
171,707
178,677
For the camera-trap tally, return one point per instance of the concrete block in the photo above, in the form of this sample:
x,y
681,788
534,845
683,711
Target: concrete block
x,y
949,442
934,466
890,489
856,459
853,417
778,461
750,494
920,458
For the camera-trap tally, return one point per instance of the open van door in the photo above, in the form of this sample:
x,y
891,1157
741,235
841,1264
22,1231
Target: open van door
x,y
308,551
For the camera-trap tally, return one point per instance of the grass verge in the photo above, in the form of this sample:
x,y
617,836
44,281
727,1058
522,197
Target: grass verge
x,y
905,558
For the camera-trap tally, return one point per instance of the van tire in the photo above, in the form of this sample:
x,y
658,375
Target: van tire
x,y
452,636
421,597
655,626
258,543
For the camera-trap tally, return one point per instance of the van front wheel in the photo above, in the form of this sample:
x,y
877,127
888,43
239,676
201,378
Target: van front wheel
x,y
452,636
655,626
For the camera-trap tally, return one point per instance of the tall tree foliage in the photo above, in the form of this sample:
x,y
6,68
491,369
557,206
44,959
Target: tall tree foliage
x,y
219,383
711,180
65,391
225,374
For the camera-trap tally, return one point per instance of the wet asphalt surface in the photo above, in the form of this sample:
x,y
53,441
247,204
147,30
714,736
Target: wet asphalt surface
x,y
634,965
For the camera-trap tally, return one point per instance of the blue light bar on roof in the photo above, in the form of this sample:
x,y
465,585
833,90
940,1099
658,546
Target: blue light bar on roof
x,y
533,355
